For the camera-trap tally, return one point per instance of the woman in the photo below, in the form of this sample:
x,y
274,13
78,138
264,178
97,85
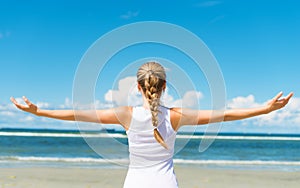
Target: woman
x,y
152,128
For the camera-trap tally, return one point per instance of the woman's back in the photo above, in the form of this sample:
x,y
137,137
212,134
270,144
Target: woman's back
x,y
150,162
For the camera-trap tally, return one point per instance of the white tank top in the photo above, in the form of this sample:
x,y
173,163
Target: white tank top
x,y
149,161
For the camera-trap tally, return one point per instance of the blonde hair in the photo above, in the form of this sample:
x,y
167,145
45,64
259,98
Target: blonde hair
x,y
151,77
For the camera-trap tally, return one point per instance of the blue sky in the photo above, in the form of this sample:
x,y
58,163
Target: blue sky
x,y
256,44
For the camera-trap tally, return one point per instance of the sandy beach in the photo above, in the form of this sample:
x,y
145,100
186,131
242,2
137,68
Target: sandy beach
x,y
188,177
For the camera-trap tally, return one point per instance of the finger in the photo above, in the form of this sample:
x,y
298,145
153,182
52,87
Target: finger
x,y
278,96
27,101
289,96
13,100
20,106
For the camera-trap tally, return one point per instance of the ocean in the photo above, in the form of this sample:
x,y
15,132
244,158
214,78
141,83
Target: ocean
x,y
109,149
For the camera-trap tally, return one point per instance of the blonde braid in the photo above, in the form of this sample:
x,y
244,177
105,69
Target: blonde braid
x,y
152,81
152,97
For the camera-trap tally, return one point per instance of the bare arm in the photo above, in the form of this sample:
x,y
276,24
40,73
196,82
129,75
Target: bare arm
x,y
180,117
120,115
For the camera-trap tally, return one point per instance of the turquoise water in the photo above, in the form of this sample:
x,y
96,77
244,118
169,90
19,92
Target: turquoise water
x,y
25,147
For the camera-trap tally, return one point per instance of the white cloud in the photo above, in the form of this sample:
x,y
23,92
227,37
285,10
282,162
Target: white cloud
x,y
10,106
100,105
190,100
2,107
67,104
129,15
243,102
97,104
126,93
27,118
43,104
167,99
7,114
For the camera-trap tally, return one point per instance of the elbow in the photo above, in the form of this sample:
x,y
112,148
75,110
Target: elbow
x,y
228,117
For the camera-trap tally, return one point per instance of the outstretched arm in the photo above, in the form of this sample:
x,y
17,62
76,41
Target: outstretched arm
x,y
33,109
120,115
180,117
274,104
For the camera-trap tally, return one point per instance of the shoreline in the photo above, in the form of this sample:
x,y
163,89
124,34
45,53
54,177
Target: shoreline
x,y
195,177
274,166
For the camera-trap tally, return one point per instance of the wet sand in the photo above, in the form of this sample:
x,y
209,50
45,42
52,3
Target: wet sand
x,y
188,177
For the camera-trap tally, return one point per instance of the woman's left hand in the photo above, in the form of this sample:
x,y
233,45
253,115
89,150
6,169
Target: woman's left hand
x,y
31,108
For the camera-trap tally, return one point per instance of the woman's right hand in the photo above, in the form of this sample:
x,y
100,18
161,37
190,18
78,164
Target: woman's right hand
x,y
30,107
276,103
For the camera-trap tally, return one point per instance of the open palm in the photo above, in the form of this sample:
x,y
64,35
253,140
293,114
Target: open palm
x,y
30,107
276,103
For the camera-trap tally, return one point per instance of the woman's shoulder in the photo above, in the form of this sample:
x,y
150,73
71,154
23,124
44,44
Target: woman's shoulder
x,y
123,109
124,113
